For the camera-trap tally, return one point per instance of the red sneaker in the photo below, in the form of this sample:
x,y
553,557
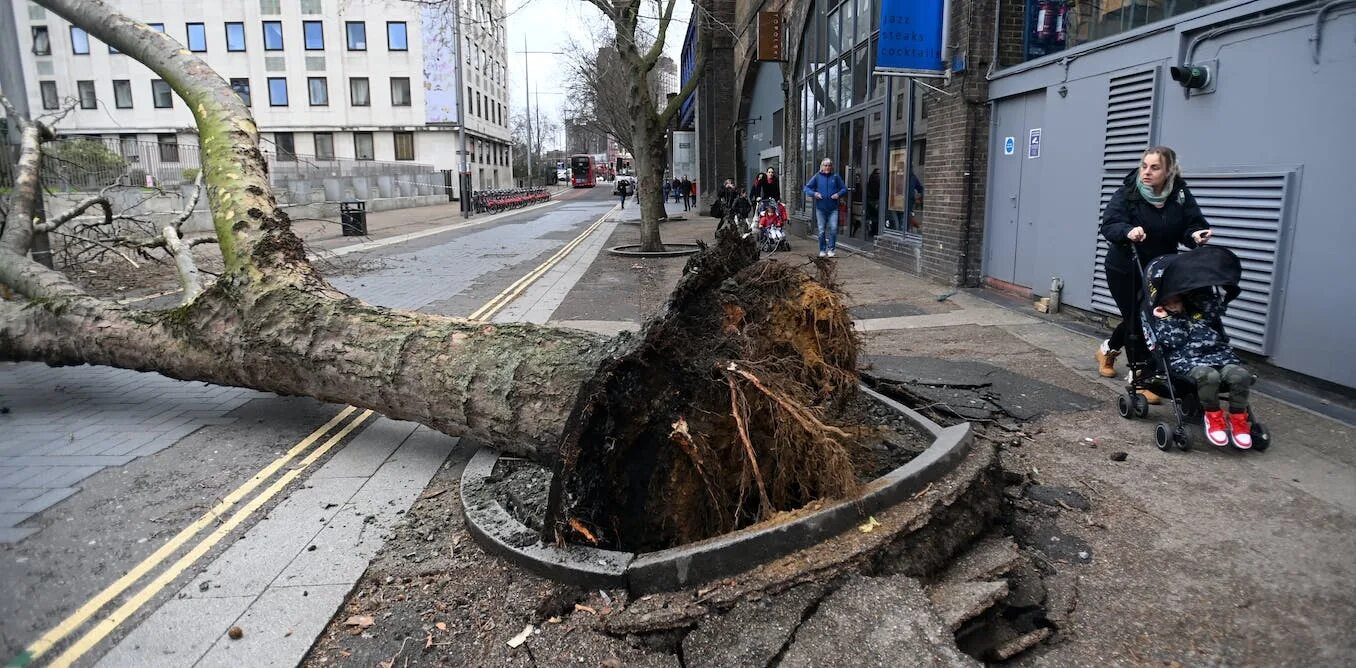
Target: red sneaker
x,y
1240,430
1215,428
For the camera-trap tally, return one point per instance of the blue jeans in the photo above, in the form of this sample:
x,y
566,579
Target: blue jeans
x,y
828,223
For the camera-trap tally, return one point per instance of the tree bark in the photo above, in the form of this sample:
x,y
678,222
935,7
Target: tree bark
x,y
509,386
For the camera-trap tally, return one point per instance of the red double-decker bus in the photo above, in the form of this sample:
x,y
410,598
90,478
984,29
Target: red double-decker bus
x,y
581,171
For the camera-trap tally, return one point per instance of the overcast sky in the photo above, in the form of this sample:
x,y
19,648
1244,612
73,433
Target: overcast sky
x,y
548,25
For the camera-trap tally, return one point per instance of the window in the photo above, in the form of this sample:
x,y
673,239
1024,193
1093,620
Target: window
x,y
324,145
400,91
122,94
85,89
242,88
42,42
1092,21
273,36
286,143
362,146
277,92
404,145
49,95
169,147
359,92
319,89
270,6
127,145
478,105
79,41
161,95
356,31
197,37
235,37
158,27
396,37
314,34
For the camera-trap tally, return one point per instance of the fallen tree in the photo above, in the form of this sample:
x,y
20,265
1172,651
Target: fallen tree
x,y
721,413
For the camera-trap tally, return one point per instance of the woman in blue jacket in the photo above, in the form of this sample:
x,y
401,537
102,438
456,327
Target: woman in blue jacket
x,y
827,188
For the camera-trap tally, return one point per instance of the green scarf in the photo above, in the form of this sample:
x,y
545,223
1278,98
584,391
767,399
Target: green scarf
x,y
1148,193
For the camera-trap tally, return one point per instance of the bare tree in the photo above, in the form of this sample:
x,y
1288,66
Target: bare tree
x,y
636,56
598,86
741,378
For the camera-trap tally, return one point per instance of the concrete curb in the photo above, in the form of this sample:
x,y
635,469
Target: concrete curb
x,y
687,249
714,558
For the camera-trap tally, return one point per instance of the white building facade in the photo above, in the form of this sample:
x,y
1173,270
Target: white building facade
x,y
361,80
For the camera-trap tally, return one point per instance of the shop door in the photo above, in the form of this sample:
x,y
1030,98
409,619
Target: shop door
x,y
1014,195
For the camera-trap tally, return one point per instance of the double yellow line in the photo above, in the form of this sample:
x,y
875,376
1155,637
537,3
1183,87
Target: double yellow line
x,y
77,649
511,292
91,638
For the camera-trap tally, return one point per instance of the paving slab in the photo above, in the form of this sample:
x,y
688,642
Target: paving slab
x,y
284,578
975,389
875,622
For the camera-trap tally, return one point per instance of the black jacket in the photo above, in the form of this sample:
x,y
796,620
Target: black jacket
x,y
1164,228
771,189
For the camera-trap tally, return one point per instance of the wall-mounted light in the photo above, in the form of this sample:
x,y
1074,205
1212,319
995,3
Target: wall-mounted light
x,y
1063,91
1196,78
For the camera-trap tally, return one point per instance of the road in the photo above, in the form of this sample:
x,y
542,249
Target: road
x,y
117,487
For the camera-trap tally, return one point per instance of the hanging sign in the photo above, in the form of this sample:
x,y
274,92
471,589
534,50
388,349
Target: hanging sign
x,y
910,38
770,36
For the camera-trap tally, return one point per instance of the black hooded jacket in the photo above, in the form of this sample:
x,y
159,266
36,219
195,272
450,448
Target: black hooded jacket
x,y
1164,228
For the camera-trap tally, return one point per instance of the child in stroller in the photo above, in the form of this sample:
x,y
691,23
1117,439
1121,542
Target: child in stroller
x,y
1190,331
1188,294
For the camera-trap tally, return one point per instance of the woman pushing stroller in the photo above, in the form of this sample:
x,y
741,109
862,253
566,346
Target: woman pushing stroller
x,y
1153,212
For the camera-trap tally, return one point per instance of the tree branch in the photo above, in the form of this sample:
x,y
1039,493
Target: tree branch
x,y
69,215
189,280
657,49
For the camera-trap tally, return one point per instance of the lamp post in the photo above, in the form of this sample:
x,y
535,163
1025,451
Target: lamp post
x,y
527,98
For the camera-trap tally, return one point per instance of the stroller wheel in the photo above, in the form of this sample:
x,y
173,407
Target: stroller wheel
x,y
1261,437
1141,405
1162,438
1179,436
1124,407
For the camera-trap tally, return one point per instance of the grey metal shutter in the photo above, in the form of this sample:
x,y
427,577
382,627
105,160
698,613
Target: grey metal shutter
x,y
1246,211
1129,130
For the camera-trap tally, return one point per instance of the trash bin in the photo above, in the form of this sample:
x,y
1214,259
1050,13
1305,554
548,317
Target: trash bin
x,y
353,218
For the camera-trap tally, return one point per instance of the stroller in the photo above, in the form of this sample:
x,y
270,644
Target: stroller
x,y
771,222
1210,268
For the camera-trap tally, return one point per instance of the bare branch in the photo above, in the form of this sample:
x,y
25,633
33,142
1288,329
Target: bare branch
x,y
112,249
69,215
189,279
192,203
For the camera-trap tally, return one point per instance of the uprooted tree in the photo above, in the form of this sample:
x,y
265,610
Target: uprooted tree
x,y
726,409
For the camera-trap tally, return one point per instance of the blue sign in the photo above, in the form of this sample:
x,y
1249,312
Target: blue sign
x,y
910,38
1009,145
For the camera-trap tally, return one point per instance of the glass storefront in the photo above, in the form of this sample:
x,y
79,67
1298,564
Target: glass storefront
x,y
842,106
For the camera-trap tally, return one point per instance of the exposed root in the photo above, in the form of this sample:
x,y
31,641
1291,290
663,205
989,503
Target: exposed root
x,y
728,411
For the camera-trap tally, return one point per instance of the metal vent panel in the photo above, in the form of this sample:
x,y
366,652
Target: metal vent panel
x,y
1129,130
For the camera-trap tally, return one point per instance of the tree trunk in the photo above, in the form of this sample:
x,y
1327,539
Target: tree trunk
x,y
508,385
650,159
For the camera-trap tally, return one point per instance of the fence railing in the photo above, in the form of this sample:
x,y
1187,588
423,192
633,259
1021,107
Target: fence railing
x,y
90,163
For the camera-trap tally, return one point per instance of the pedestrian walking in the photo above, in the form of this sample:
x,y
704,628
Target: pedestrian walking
x,y
623,189
767,185
677,189
667,189
686,188
873,202
827,188
1154,211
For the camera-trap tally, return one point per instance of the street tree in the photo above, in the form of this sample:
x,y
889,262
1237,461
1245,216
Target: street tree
x,y
633,110
728,407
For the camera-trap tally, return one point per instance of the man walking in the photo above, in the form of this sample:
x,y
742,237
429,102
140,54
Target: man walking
x,y
826,187
686,188
677,189
623,189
